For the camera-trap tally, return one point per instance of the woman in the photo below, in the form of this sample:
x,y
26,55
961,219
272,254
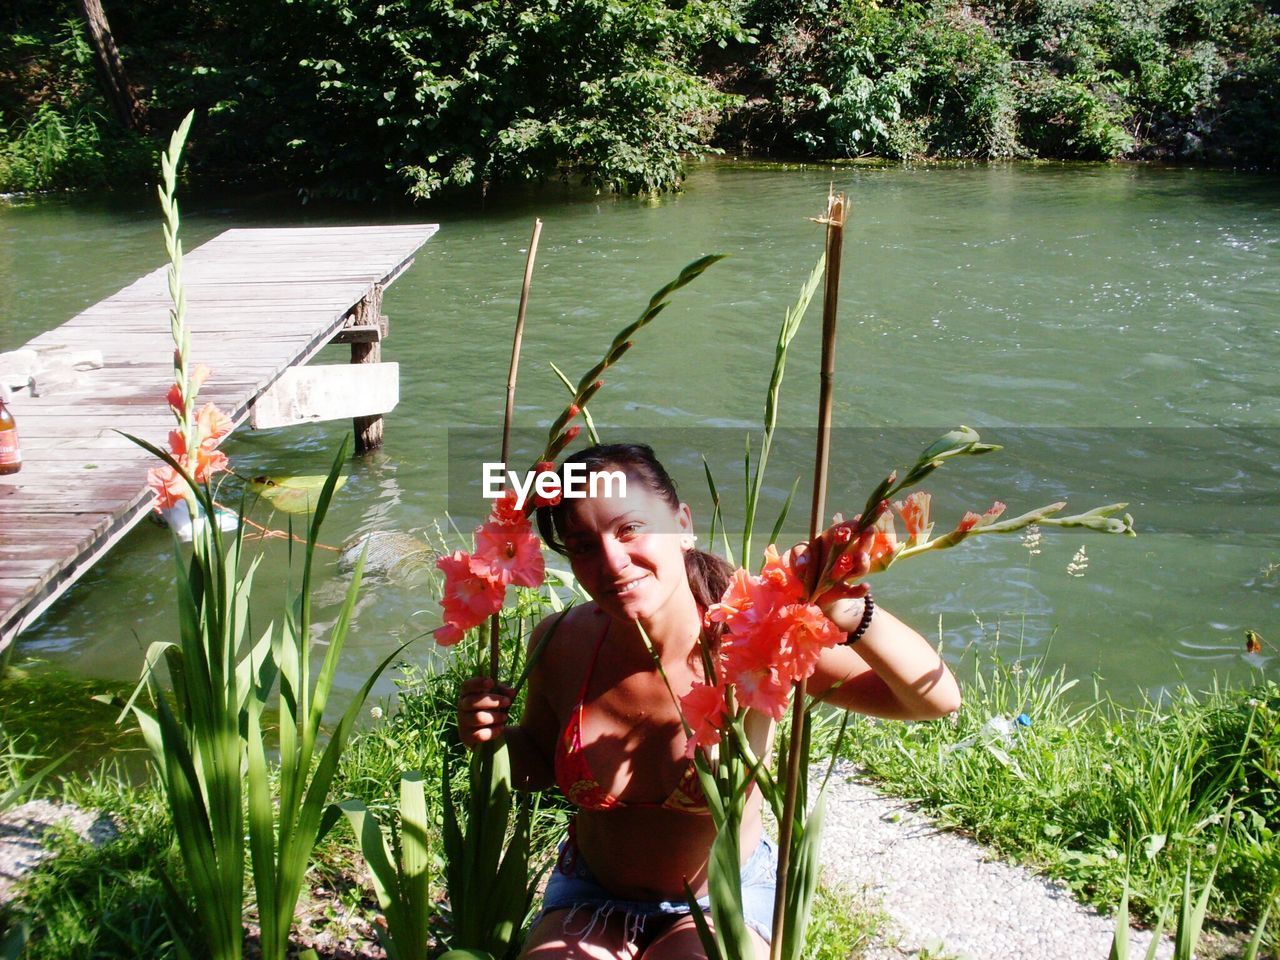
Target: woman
x,y
600,722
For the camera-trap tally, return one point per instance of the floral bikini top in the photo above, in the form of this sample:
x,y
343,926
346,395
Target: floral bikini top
x,y
579,784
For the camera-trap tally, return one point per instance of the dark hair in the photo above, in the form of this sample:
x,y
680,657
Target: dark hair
x,y
709,575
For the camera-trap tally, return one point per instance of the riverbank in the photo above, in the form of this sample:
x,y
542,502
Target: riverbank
x,y
400,105
1037,799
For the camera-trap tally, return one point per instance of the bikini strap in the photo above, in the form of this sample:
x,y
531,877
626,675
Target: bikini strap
x,y
591,667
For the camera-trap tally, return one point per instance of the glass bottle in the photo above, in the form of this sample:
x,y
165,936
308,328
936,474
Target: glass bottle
x,y
10,451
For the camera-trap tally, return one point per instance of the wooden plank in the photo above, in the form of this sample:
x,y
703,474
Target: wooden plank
x,y
308,394
260,302
371,333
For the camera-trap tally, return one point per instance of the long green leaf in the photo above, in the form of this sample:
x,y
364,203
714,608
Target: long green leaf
x,y
386,882
710,942
586,413
297,843
724,884
716,515
804,867
1255,942
790,324
1157,932
415,862
1120,939
782,514
262,850
451,834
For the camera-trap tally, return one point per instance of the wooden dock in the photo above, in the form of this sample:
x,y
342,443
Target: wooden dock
x,y
260,302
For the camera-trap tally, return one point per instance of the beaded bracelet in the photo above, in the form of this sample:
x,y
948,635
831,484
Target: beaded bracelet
x,y
868,608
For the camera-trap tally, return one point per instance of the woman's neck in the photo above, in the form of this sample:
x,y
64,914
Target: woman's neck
x,y
674,630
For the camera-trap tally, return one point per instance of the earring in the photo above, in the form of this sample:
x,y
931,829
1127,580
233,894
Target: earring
x,y
688,540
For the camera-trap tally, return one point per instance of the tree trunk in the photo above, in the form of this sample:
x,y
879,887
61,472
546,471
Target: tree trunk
x,y
131,113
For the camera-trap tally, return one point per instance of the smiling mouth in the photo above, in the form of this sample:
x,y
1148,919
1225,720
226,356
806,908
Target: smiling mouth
x,y
629,586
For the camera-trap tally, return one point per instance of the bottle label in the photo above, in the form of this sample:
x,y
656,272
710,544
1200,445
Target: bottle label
x,y
10,453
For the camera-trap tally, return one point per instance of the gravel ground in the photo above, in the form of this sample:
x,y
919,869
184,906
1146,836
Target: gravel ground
x,y
943,894
23,830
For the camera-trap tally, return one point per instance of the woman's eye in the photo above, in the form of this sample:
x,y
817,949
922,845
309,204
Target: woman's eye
x,y
628,530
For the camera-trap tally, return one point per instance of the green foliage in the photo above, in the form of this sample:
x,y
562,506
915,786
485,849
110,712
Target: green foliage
x,y
422,733
1095,793
839,930
62,138
1082,79
491,888
415,98
287,814
1065,118
853,78
467,94
400,868
106,902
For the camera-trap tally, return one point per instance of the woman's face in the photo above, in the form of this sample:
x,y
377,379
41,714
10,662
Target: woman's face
x,y
628,551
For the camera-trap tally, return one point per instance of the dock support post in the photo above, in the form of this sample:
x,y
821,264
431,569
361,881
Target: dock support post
x,y
368,313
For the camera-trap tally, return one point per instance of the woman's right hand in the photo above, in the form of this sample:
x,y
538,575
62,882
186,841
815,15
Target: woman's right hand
x,y
483,705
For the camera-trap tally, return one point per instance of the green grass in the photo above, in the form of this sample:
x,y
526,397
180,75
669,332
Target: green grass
x,y
841,925
59,713
1091,792
109,901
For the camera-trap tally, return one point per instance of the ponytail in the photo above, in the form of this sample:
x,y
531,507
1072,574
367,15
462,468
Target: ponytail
x,y
709,577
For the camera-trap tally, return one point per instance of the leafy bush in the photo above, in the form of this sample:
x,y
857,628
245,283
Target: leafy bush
x,y
853,78
1066,118
66,140
1080,79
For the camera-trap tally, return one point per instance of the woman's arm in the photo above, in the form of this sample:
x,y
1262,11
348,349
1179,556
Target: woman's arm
x,y
482,716
890,672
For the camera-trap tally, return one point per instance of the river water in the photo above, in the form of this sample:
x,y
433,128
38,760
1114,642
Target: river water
x,y
1117,328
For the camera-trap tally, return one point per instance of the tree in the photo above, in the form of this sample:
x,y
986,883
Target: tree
x,y
111,68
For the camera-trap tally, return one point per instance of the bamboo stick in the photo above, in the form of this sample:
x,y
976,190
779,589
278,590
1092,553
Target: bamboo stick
x,y
834,220
508,413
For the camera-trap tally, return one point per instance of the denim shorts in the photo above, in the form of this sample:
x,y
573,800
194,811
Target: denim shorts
x,y
579,891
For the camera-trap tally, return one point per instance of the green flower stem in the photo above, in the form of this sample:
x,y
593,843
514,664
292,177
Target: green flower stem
x,y
621,343
790,324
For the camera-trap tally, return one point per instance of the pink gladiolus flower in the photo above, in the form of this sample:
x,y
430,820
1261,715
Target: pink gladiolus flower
x,y
914,511
735,601
510,552
971,519
884,542
505,510
212,425
704,710
208,462
197,377
546,466
448,635
749,602
167,485
753,671
780,577
806,633
774,636
470,593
